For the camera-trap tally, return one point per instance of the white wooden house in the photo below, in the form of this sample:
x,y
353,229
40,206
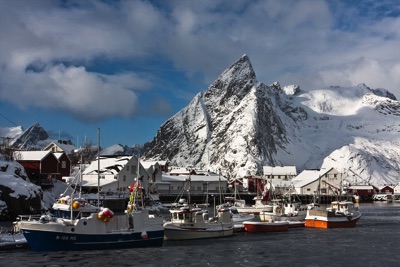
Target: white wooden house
x,y
199,184
282,173
117,173
314,182
396,189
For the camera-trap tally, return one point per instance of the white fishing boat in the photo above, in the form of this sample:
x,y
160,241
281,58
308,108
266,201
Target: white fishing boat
x,y
340,214
12,238
284,210
78,225
191,222
194,223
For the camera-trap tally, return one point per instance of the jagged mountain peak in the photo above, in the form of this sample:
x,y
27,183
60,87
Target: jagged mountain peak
x,y
238,124
34,137
234,105
237,75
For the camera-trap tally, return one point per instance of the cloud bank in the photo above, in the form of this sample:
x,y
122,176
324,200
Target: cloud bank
x,y
97,59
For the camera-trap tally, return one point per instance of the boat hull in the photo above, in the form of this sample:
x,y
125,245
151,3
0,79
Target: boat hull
x,y
332,222
40,240
254,227
177,233
322,223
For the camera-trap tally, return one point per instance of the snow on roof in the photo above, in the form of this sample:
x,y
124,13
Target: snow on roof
x,y
306,177
94,182
148,164
112,165
30,155
361,187
65,147
58,154
180,171
193,178
279,170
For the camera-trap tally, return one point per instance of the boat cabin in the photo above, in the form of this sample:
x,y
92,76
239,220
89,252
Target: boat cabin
x,y
345,207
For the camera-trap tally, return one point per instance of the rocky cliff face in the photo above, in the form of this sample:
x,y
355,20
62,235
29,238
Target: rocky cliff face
x,y
239,124
17,196
232,126
33,138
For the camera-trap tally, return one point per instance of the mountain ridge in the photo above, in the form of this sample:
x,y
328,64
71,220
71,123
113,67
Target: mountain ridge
x,y
238,124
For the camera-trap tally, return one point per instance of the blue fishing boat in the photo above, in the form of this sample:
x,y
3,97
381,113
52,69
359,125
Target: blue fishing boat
x,y
78,225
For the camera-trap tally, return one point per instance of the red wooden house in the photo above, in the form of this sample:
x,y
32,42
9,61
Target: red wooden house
x,y
387,189
364,192
40,166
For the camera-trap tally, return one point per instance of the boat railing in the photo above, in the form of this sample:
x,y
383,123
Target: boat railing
x,y
35,217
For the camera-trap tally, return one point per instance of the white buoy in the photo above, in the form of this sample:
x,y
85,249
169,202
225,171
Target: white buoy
x,y
144,235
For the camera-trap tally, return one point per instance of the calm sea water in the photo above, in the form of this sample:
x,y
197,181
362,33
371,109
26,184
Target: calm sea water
x,y
374,242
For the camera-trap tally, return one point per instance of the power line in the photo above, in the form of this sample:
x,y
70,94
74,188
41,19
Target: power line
x,y
8,119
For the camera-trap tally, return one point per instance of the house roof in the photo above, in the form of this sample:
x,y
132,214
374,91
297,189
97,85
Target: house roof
x,y
58,154
279,170
65,147
193,178
94,183
361,187
148,164
306,177
30,155
184,171
108,165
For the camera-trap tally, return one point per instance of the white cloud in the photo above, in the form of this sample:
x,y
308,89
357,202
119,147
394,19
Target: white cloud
x,y
310,43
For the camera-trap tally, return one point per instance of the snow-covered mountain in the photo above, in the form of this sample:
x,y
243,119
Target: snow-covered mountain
x,y
32,138
239,124
122,150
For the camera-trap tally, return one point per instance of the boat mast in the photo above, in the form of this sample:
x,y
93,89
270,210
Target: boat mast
x,y
98,167
190,185
220,189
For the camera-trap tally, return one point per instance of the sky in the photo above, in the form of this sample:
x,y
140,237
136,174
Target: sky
x,y
126,67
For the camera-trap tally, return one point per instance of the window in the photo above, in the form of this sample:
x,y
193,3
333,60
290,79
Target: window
x,y
124,178
308,189
63,164
127,168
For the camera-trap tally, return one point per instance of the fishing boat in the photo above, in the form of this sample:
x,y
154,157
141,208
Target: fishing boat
x,y
78,225
192,222
11,239
340,214
284,210
254,226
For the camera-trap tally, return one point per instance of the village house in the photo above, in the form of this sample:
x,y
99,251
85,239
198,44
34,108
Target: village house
x,y
117,173
279,173
318,182
386,189
41,166
280,177
362,193
60,146
208,182
396,189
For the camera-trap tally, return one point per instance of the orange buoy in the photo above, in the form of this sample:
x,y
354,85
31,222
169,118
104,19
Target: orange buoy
x,y
76,205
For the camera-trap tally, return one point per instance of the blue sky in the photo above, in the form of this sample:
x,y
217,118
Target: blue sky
x,y
128,66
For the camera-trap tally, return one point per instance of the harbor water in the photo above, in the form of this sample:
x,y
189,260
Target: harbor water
x,y
374,242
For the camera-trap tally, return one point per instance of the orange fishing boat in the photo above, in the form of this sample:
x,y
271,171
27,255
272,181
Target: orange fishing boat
x,y
340,214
